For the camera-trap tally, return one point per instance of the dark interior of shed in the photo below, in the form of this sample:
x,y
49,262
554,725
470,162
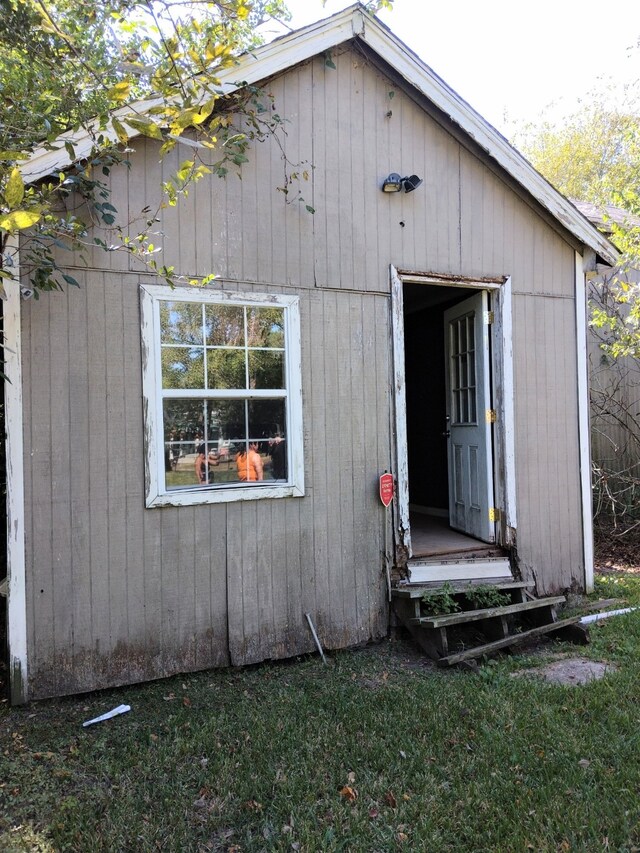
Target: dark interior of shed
x,y
424,306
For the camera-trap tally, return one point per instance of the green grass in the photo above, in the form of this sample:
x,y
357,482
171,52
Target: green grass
x,y
256,760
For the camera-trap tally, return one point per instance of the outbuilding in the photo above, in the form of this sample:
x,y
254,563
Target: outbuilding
x,y
195,471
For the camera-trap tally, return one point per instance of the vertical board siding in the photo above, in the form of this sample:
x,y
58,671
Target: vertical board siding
x,y
79,474
130,593
120,593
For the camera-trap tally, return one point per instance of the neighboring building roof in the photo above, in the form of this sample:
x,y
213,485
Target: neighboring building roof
x,y
603,215
355,23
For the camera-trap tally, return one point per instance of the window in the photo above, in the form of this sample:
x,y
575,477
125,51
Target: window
x,y
222,391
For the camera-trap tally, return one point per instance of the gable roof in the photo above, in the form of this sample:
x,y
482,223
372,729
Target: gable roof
x,y
355,22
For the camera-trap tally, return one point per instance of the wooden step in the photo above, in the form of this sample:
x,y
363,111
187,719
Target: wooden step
x,y
417,590
463,616
506,642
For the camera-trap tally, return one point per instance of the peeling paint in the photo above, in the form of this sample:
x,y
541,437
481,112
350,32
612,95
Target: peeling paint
x,y
450,278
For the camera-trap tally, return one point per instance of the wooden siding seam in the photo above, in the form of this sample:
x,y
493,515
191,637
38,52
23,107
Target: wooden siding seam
x,y
280,285
542,295
72,573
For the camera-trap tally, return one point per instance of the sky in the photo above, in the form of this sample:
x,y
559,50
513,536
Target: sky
x,y
514,62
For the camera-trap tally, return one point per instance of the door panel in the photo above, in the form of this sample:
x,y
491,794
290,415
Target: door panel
x,y
469,432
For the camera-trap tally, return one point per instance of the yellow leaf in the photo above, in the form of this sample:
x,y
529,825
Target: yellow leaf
x,y
120,92
145,126
204,112
216,51
14,190
183,120
122,134
18,220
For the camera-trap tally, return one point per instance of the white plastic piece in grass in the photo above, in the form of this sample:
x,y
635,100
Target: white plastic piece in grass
x,y
121,709
596,617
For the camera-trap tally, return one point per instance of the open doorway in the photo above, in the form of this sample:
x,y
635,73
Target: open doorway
x,y
449,405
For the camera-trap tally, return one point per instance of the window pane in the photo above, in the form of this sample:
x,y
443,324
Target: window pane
x,y
201,440
462,326
182,367
184,422
462,371
454,339
180,323
224,325
226,368
464,413
266,369
265,327
267,427
229,418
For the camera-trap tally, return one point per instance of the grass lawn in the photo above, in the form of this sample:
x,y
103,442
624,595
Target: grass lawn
x,y
378,751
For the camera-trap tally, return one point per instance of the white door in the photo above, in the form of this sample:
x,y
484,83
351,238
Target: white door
x,y
468,424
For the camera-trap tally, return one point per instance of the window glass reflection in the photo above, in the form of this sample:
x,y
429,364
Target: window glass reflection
x,y
181,323
225,325
267,427
266,369
182,367
211,441
265,327
226,368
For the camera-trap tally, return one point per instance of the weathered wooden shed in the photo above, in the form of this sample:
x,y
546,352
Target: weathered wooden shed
x,y
437,332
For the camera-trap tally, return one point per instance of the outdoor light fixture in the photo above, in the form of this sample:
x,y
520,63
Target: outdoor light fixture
x,y
394,183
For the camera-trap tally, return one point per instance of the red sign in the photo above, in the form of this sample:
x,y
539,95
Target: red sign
x,y
386,488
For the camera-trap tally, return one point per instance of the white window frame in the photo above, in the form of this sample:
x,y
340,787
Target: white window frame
x,y
156,493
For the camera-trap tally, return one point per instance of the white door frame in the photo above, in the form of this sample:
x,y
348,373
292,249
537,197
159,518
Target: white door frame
x,y
503,387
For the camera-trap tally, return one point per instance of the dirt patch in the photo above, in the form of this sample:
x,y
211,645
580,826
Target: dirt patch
x,y
617,553
570,671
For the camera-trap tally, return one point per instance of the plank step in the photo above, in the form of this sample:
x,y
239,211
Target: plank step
x,y
496,645
464,616
416,590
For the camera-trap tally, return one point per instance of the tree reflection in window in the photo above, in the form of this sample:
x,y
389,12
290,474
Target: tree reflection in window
x,y
228,350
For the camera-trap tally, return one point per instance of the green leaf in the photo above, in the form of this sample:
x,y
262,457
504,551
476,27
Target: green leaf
x,y
18,220
13,155
14,189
